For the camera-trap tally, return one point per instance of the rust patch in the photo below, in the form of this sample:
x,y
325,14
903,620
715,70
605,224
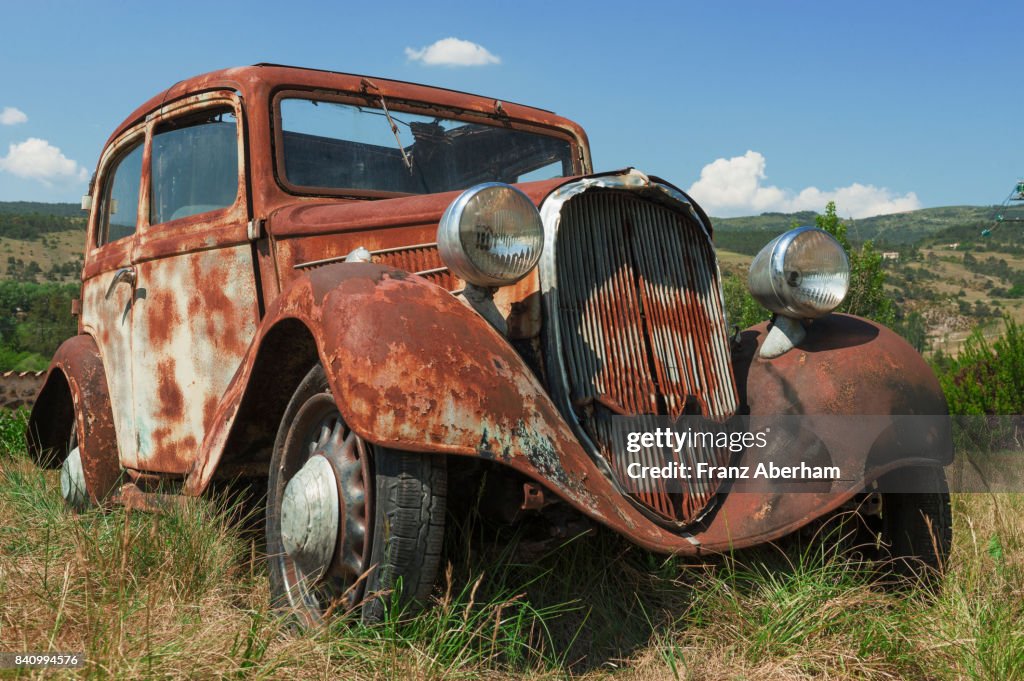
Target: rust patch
x,y
172,402
763,510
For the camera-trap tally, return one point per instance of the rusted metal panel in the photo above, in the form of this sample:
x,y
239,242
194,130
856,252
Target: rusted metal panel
x,y
422,259
108,320
193,319
399,232
106,317
75,395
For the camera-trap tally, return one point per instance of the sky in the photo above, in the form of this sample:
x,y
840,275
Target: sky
x,y
750,106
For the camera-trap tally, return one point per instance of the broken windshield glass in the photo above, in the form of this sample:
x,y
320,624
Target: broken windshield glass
x,y
336,146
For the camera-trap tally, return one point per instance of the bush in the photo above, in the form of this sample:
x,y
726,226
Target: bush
x,y
984,378
740,307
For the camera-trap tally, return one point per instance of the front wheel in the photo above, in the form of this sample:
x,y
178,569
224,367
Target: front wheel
x,y
914,525
348,524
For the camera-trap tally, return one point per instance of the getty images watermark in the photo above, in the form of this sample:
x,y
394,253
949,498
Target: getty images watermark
x,y
813,453
717,440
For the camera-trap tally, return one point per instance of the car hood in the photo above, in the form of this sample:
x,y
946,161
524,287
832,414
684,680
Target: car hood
x,y
322,216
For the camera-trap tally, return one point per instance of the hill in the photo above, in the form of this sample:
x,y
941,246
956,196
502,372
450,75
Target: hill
x,y
29,221
63,210
929,225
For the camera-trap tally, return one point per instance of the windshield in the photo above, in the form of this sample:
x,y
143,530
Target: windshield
x,y
335,146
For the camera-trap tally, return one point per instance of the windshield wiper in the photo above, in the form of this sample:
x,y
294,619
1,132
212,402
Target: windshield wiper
x,y
367,84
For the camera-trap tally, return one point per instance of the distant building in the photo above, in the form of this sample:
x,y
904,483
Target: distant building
x,y
890,255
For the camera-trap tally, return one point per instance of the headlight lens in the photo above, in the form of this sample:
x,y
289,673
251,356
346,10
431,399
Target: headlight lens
x,y
491,235
802,273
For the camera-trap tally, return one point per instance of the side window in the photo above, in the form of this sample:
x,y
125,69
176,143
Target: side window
x,y
119,203
195,165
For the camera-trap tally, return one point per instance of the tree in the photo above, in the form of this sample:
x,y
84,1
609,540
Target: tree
x,y
867,297
914,330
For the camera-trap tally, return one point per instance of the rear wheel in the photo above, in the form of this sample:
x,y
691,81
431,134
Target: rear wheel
x,y
72,474
348,525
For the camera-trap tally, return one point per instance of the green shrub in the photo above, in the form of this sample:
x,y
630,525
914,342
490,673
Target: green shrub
x,y
987,378
740,307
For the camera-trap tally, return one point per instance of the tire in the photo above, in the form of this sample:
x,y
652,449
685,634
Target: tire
x,y
390,509
916,527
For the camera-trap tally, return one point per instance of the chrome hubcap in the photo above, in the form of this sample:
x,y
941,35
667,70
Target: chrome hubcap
x,y
309,517
72,481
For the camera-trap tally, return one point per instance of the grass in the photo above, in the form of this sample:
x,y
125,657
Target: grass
x,y
184,595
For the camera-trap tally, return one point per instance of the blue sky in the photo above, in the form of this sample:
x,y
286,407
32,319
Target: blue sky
x,y
752,106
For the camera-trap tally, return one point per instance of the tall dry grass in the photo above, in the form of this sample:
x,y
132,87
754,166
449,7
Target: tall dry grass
x,y
184,595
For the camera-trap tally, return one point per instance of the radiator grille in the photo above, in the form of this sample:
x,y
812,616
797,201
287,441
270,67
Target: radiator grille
x,y
643,329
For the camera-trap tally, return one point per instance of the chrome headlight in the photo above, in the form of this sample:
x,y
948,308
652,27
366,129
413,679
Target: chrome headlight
x,y
491,235
802,273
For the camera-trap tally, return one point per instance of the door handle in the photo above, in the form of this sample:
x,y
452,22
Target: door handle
x,y
125,274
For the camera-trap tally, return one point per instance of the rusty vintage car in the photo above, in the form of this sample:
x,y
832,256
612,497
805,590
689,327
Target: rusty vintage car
x,y
368,293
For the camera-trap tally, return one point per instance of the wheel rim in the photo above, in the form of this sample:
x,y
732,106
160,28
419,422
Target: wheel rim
x,y
320,451
72,476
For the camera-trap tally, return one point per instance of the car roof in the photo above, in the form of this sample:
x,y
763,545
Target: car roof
x,y
269,77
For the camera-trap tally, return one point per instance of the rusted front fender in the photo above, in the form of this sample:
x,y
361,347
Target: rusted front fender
x,y
846,365
852,372
413,368
75,394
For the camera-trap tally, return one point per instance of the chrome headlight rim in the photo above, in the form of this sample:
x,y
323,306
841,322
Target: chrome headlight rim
x,y
453,252
780,299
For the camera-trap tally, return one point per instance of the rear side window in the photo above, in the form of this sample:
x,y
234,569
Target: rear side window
x,y
195,165
119,203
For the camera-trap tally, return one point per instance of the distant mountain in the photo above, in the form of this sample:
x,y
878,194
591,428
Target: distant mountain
x,y
29,221
952,223
917,225
63,210
764,221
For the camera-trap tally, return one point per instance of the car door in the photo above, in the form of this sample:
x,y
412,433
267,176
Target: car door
x,y
106,281
195,308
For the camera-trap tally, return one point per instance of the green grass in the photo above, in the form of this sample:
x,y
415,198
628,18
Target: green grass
x,y
184,595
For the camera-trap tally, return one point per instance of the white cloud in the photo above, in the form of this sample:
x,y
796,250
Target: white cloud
x,y
11,116
452,52
735,186
37,159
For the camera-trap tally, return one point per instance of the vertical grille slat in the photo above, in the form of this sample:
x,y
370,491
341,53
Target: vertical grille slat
x,y
643,331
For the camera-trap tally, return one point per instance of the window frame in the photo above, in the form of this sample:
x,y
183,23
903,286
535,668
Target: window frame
x,y
186,107
109,164
103,218
102,257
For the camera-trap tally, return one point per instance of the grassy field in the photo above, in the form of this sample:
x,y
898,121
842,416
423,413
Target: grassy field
x,y
184,595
